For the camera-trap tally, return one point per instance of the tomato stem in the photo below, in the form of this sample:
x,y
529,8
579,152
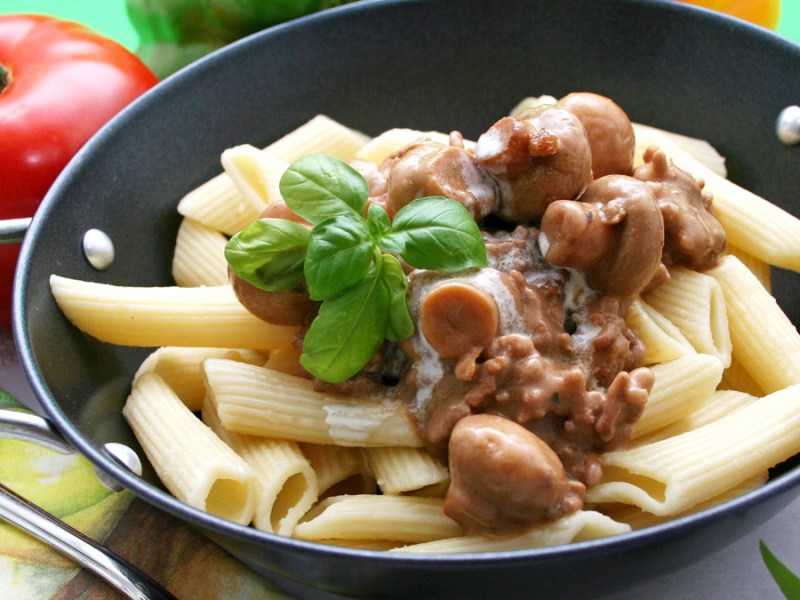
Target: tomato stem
x,y
5,78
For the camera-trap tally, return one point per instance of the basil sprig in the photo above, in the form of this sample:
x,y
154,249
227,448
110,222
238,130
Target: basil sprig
x,y
348,261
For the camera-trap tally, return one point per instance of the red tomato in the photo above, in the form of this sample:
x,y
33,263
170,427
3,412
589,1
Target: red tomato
x,y
59,83
761,12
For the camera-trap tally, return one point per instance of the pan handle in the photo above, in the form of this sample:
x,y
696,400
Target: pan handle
x,y
13,230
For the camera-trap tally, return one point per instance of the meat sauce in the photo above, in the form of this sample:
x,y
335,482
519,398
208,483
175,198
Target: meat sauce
x,y
521,374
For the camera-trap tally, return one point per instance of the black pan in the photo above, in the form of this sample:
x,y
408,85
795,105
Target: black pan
x,y
446,64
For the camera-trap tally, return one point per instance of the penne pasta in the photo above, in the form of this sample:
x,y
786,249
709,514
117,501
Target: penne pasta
x,y
765,341
192,462
639,519
735,377
340,470
408,519
256,175
286,484
718,404
401,470
182,369
663,341
217,204
751,223
286,360
384,145
199,257
759,268
165,316
671,476
680,387
374,545
320,135
235,198
261,401
694,303
579,526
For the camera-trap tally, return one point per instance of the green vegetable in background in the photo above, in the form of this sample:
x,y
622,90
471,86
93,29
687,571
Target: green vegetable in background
x,y
174,33
345,259
787,581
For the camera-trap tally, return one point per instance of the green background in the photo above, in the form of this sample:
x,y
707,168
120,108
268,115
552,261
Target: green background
x,y
109,16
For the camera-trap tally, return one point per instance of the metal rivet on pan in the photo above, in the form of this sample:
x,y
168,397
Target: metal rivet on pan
x,y
787,126
125,457
98,249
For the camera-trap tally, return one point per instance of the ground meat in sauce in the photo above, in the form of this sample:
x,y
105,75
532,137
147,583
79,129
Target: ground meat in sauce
x,y
535,372
693,237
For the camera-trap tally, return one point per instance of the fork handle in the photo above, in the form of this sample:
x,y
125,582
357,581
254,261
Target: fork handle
x,y
118,572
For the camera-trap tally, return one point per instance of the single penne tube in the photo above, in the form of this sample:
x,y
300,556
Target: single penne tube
x,y
765,341
578,526
671,476
718,404
694,303
680,387
662,340
750,222
340,469
241,166
408,519
199,256
255,174
165,316
192,462
286,360
217,204
531,102
182,368
759,268
401,470
639,519
286,485
701,150
736,377
319,135
374,545
260,401
385,144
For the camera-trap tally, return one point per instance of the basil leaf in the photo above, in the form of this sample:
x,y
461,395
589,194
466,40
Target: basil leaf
x,y
317,187
339,254
436,233
269,254
348,330
787,581
378,221
400,325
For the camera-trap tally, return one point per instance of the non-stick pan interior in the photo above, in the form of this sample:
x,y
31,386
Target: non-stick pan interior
x,y
449,64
